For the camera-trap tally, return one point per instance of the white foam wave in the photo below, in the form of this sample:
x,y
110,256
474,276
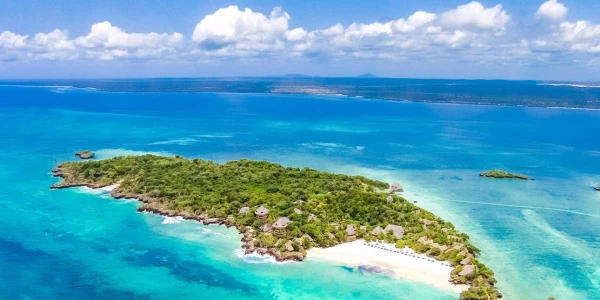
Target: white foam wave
x,y
54,88
90,191
255,258
214,136
210,232
180,142
172,220
577,85
332,146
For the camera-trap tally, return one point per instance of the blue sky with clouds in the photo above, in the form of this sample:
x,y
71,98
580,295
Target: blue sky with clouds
x,y
555,39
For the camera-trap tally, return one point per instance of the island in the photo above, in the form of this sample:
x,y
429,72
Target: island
x,y
597,188
285,211
502,174
85,154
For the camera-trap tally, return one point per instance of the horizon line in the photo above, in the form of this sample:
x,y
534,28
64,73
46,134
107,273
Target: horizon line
x,y
296,76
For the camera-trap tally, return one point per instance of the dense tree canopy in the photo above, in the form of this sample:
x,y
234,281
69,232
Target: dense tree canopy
x,y
197,187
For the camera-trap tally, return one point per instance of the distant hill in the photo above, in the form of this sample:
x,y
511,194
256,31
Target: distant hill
x,y
367,75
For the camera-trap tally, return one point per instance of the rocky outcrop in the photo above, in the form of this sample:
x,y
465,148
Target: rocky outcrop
x,y
597,188
502,174
69,181
85,154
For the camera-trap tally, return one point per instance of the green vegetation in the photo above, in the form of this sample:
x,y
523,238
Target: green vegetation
x,y
205,189
85,154
502,174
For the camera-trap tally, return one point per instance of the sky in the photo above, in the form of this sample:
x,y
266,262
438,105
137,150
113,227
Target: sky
x,y
502,39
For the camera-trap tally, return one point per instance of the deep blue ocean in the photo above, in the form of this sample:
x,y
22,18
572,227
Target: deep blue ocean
x,y
542,237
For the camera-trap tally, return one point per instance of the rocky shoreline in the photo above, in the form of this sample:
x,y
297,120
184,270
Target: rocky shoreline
x,y
247,233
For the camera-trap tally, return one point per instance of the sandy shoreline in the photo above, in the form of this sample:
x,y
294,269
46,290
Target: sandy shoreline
x,y
108,188
401,264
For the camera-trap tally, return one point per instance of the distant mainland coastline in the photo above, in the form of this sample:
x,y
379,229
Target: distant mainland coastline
x,y
368,86
284,212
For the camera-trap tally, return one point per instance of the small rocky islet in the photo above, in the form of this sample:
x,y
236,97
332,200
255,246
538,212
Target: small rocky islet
x,y
502,175
284,211
85,154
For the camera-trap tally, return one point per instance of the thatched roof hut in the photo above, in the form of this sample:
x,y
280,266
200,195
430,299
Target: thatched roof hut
x,y
261,211
350,230
396,187
467,270
376,231
465,261
281,223
397,231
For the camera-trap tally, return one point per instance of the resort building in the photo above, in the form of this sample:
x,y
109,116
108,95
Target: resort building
x,y
280,226
244,210
397,231
465,261
396,187
262,213
312,217
467,270
376,231
426,222
390,199
424,240
351,232
296,210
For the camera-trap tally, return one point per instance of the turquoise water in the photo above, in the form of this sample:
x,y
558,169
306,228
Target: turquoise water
x,y
542,238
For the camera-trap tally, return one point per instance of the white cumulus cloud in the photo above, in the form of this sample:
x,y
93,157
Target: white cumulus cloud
x,y
231,31
470,32
552,10
104,42
474,14
11,40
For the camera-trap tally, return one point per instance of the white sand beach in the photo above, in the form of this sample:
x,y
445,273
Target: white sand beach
x,y
400,263
109,188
